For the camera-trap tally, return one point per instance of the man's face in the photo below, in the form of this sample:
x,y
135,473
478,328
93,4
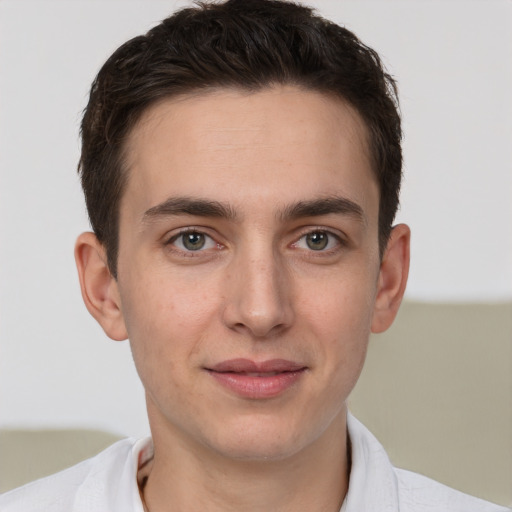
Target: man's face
x,y
248,266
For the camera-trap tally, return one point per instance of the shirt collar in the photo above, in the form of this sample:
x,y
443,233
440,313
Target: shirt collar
x,y
373,486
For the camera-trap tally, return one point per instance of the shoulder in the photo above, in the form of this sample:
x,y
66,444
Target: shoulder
x,y
376,486
419,493
83,487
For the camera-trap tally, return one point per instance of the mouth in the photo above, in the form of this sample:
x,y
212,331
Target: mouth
x,y
257,380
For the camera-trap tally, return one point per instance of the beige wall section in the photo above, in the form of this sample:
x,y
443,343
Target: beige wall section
x,y
27,455
437,392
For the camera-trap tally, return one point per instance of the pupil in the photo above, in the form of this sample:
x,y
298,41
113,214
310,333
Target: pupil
x,y
317,241
193,241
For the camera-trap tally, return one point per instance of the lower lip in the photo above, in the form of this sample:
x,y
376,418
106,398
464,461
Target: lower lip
x,y
249,386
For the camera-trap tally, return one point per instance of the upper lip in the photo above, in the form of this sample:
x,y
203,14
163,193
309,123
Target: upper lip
x,y
242,365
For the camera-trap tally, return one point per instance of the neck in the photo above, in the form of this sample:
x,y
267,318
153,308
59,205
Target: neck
x,y
185,477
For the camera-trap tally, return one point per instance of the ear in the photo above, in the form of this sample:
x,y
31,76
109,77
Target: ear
x,y
394,270
99,288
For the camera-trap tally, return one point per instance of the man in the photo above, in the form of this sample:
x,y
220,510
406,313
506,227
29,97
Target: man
x,y
241,165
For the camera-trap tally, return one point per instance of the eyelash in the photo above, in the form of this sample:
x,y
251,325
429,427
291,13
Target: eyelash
x,y
332,237
190,231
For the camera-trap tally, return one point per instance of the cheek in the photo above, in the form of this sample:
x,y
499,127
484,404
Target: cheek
x,y
341,306
340,315
168,301
167,320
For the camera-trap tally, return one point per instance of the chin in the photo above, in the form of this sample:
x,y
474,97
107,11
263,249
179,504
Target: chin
x,y
261,440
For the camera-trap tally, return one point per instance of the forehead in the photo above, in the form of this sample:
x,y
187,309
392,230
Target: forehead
x,y
232,144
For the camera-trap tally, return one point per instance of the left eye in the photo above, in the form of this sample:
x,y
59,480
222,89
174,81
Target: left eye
x,y
192,241
317,241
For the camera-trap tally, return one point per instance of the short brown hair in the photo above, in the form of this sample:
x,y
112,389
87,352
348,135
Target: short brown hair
x,y
244,44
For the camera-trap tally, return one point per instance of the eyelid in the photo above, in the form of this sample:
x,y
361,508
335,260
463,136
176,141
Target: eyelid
x,y
169,240
340,239
177,232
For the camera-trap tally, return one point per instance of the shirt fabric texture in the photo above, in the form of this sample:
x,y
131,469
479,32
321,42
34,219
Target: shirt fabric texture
x,y
108,483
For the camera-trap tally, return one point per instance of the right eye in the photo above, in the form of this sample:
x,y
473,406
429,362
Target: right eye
x,y
192,241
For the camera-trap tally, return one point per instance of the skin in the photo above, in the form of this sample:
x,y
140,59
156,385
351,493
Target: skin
x,y
261,287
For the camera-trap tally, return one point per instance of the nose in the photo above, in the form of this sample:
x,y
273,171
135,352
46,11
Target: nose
x,y
258,295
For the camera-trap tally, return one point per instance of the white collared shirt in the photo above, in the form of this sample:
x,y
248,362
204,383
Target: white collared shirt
x,y
108,483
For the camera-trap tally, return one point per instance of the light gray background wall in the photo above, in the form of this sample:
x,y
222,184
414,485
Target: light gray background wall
x,y
452,60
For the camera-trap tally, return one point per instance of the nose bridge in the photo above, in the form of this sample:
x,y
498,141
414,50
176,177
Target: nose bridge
x,y
259,298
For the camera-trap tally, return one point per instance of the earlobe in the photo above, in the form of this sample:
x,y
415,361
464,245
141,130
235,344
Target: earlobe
x,y
99,289
393,274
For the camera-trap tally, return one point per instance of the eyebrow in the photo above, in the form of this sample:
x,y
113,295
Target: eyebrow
x,y
324,206
189,206
207,208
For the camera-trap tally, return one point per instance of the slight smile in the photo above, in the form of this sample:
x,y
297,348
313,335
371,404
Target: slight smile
x,y
249,379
